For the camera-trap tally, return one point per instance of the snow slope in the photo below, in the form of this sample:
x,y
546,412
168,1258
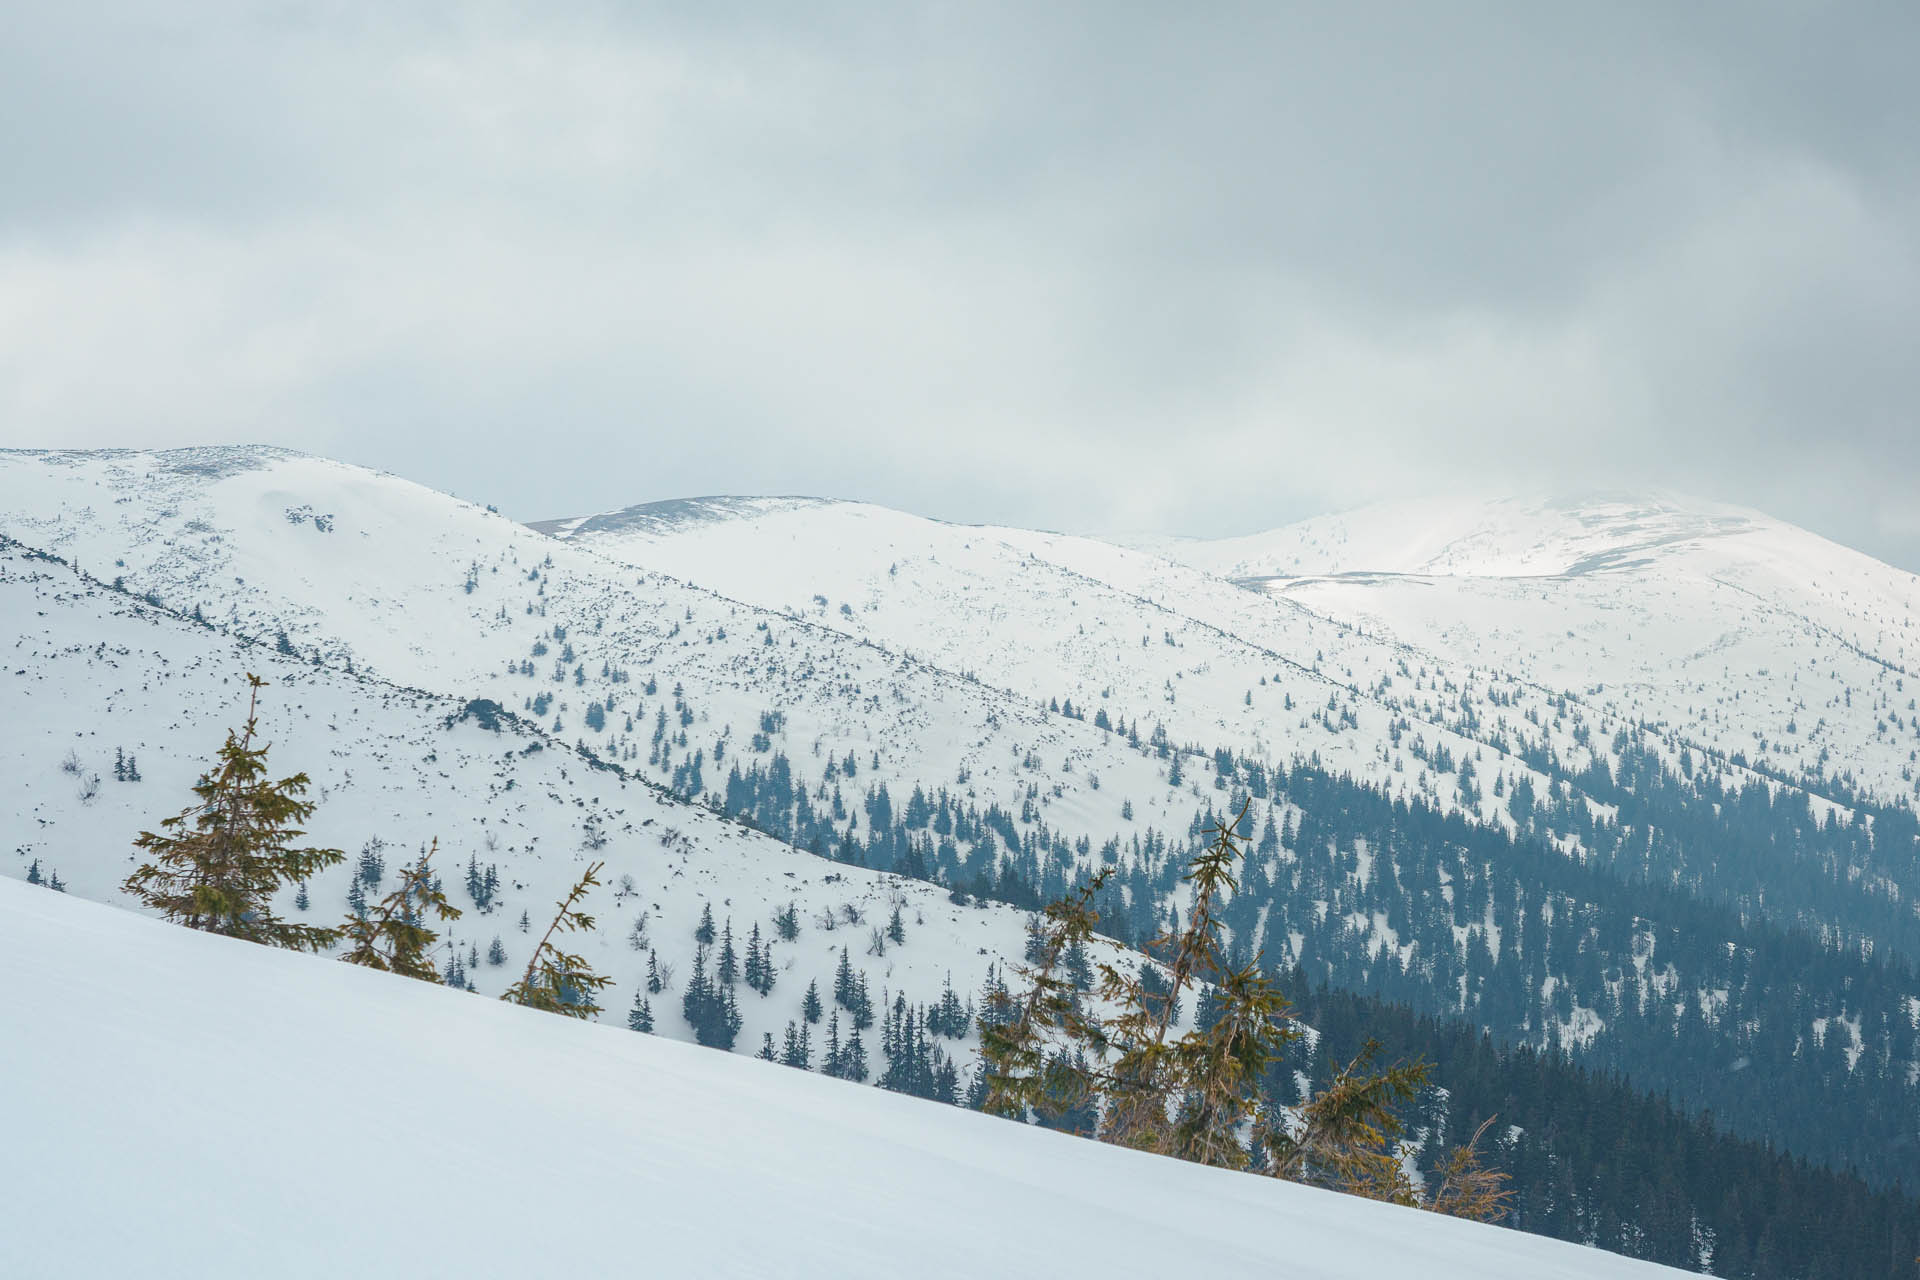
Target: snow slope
x,y
1052,618
184,1105
1719,625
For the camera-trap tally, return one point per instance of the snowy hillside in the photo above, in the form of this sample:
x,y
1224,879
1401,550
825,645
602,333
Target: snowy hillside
x,y
375,574
322,1120
1719,625
95,677
1680,849
1542,691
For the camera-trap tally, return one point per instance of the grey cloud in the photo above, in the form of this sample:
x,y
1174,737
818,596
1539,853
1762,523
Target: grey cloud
x,y
1076,266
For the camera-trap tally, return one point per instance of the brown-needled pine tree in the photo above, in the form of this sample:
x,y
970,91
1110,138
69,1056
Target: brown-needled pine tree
x,y
393,936
1198,1094
1021,1075
554,980
216,866
1345,1137
1189,1094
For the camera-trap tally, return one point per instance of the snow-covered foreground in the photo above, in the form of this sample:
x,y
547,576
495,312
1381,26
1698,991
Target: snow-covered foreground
x,y
182,1105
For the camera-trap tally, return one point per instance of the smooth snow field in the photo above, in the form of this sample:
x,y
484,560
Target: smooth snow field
x,y
175,1104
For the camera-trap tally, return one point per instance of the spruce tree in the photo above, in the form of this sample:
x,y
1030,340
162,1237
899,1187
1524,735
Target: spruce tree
x,y
832,1064
1210,1076
1015,1069
554,980
810,1005
640,1018
797,1052
393,937
216,866
1145,1083
727,970
1345,1136
853,1062
1468,1189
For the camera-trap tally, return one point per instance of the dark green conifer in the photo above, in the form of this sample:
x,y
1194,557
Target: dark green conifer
x,y
810,1005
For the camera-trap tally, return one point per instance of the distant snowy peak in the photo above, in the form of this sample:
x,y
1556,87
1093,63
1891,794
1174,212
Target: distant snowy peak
x,y
206,461
1454,537
674,515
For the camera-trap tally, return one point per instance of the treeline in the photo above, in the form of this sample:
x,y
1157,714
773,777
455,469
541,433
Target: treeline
x,y
1785,1037
1596,1160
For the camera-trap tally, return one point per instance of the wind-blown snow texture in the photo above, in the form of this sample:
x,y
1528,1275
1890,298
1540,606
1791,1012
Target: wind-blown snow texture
x,y
185,1105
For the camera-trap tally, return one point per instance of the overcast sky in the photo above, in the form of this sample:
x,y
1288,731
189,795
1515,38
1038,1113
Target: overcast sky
x,y
1103,267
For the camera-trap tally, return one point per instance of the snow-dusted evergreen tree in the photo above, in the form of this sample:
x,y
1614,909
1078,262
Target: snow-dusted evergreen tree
x,y
640,1017
216,866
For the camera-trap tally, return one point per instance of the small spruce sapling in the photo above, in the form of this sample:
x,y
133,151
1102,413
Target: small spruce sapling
x,y
393,936
1015,1065
640,1018
555,980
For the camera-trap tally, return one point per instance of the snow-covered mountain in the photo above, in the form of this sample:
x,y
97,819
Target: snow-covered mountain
x,y
1716,624
96,678
235,1111
1710,643
1664,695
1462,810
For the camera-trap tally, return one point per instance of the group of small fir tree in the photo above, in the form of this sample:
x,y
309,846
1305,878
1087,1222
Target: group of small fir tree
x,y
1119,1068
217,865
